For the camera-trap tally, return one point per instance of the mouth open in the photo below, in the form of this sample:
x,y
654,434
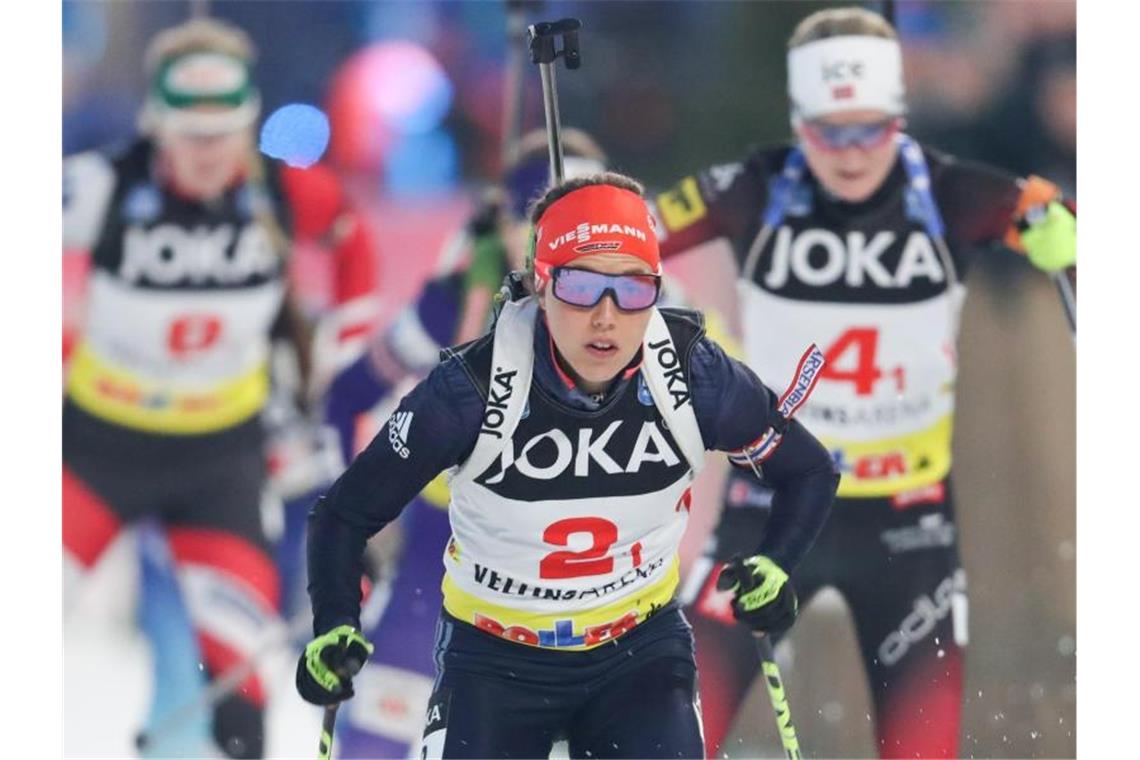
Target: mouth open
x,y
601,349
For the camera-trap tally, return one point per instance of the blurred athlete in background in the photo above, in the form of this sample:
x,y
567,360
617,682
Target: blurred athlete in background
x,y
188,232
859,238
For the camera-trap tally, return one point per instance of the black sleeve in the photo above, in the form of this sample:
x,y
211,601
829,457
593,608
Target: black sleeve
x,y
734,410
724,200
977,201
434,428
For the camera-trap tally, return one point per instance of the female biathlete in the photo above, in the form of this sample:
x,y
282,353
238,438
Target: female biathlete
x,y
858,237
573,432
188,233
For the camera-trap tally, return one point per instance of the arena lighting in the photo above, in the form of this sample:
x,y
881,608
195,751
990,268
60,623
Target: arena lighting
x,y
296,133
386,91
422,165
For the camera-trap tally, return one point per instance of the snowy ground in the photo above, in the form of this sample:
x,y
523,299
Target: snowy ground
x,y
107,674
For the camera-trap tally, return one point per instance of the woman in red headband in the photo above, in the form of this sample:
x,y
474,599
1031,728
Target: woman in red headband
x,y
572,431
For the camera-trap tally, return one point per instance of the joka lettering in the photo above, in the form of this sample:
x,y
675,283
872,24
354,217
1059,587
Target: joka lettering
x,y
561,635
584,231
856,260
651,446
168,254
667,359
500,392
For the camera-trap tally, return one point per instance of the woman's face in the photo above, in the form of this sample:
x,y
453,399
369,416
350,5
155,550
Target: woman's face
x,y
597,342
203,166
852,172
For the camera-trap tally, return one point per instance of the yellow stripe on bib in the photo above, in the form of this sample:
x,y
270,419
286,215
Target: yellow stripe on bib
x,y
115,395
569,631
888,466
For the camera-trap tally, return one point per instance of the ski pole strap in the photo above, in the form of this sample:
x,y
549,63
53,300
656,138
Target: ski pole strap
x,y
919,185
803,383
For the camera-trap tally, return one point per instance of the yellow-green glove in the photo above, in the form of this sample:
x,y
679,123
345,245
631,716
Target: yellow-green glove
x,y
326,667
764,599
1049,236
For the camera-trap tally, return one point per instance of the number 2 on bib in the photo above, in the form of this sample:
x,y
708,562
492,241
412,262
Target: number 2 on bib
x,y
591,561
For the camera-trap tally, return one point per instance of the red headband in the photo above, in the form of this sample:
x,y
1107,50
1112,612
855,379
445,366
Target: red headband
x,y
596,219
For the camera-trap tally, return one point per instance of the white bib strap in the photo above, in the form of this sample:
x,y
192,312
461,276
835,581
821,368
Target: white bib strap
x,y
665,377
512,366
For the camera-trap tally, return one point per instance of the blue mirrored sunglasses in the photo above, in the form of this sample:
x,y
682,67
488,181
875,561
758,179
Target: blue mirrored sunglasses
x,y
840,136
586,288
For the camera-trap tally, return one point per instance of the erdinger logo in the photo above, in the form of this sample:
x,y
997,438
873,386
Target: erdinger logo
x,y
169,254
500,392
842,71
666,357
650,446
583,232
855,259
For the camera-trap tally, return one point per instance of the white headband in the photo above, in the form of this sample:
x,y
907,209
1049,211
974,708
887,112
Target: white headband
x,y
846,74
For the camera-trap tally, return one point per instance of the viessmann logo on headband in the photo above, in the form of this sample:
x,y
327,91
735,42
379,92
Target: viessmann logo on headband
x,y
585,231
596,219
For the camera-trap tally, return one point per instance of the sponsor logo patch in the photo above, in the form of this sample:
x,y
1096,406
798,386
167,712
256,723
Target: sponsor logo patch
x,y
681,206
398,427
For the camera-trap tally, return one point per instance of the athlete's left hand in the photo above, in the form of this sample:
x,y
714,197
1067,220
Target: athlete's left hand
x,y
1049,236
764,598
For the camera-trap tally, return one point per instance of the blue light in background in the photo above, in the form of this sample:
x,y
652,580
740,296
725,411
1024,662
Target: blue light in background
x,y
422,164
296,133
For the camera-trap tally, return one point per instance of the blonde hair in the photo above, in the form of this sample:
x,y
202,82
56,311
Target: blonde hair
x,y
199,34
575,142
840,22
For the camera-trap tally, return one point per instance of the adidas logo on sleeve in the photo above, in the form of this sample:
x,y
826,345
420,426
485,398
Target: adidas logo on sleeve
x,y
398,426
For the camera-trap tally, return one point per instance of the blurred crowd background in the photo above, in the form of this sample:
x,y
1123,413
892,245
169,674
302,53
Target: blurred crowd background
x,y
413,93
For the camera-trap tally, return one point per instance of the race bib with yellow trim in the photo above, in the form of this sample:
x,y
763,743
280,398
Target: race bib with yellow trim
x,y
885,467
118,396
884,402
577,630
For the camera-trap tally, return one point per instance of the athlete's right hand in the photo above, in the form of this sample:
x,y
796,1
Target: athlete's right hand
x,y
326,667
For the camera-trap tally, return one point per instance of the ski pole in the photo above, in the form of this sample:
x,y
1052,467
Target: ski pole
x,y
543,51
1067,290
222,686
779,698
328,723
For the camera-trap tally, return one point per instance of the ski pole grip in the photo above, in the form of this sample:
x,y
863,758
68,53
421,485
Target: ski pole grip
x,y
543,36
